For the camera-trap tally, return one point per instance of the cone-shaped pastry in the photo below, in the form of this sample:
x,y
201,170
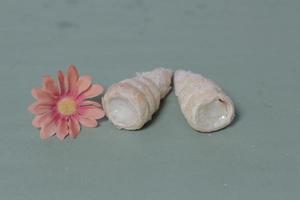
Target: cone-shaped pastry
x,y
130,103
205,106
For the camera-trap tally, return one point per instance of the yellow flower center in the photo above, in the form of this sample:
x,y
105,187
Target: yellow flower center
x,y
66,106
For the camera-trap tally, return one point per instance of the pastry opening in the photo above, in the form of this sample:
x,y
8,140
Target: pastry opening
x,y
122,112
213,115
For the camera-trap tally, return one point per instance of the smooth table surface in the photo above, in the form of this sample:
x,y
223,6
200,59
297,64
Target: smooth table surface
x,y
251,48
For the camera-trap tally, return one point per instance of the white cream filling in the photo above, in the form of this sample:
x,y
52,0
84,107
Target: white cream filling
x,y
212,116
122,113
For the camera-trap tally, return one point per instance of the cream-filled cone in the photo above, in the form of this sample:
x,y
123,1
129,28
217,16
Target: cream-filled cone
x,y
131,103
204,104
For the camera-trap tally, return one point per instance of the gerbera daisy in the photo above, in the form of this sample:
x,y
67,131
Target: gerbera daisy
x,y
62,106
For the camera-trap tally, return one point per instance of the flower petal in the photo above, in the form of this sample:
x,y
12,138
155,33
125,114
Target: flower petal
x,y
88,122
40,120
63,85
36,122
42,95
48,130
50,85
73,77
62,129
90,103
39,108
93,91
91,112
74,127
83,84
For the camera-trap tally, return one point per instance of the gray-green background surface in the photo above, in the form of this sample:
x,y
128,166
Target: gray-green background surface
x,y
250,47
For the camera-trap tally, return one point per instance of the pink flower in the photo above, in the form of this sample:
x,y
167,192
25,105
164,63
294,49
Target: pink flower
x,y
62,106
